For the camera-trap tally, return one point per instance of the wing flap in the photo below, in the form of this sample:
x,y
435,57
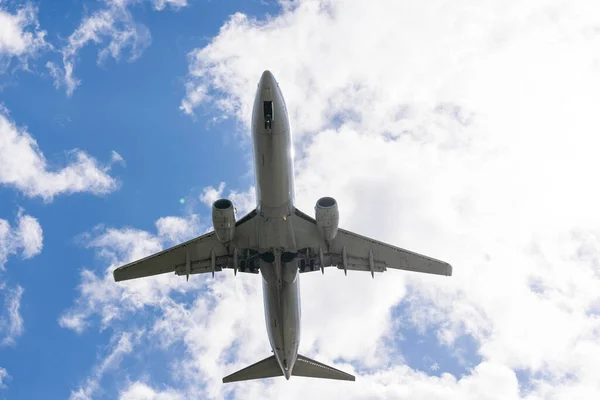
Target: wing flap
x,y
388,255
172,259
351,251
198,251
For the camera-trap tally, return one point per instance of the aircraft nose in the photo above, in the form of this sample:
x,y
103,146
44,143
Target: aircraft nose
x,y
267,80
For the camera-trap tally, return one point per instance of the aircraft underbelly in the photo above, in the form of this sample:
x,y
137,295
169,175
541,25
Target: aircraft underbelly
x,y
276,233
274,179
282,317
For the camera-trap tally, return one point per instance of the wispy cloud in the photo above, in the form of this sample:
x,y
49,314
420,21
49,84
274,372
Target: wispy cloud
x,y
175,4
11,322
24,167
3,378
114,29
26,238
122,344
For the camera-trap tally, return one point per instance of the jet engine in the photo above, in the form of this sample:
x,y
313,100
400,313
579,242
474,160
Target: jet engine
x,y
223,218
328,217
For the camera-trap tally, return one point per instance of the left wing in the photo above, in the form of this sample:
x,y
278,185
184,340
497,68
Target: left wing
x,y
200,255
350,251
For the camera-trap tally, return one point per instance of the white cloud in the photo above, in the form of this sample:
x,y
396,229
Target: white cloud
x,y
3,378
175,4
141,391
116,158
243,201
101,295
464,116
27,237
121,345
210,194
20,35
178,230
113,27
465,131
30,233
11,323
23,166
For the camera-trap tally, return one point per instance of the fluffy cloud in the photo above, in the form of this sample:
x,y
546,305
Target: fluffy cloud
x,y
465,131
31,235
177,230
24,167
20,35
113,27
101,295
141,391
243,201
481,153
210,194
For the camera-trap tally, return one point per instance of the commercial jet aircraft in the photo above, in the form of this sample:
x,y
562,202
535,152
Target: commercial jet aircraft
x,y
281,242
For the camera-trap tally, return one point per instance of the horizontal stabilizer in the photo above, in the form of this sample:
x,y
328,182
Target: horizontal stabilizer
x,y
313,369
266,368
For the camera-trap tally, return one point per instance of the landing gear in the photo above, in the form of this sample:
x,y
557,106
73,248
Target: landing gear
x,y
302,265
287,257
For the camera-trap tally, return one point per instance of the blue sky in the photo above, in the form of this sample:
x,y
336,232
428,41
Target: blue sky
x,y
465,131
127,107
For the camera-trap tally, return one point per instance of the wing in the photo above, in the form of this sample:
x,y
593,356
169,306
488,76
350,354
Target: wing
x,y
202,254
350,251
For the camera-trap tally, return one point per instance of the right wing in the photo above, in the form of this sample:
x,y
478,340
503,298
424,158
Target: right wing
x,y
200,255
350,251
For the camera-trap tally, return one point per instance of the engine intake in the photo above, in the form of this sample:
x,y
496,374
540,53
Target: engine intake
x,y
223,218
328,217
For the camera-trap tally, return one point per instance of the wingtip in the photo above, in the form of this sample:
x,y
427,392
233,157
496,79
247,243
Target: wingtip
x,y
449,270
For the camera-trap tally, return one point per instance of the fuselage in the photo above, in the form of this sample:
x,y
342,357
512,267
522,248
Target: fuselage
x,y
273,160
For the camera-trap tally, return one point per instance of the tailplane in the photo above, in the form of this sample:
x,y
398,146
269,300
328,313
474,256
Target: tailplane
x,y
304,366
266,368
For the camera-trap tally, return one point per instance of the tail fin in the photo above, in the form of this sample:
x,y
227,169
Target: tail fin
x,y
304,366
266,368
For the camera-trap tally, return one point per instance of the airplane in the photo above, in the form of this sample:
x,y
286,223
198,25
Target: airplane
x,y
280,242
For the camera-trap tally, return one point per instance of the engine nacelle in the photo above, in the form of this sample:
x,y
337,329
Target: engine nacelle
x,y
328,217
223,218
